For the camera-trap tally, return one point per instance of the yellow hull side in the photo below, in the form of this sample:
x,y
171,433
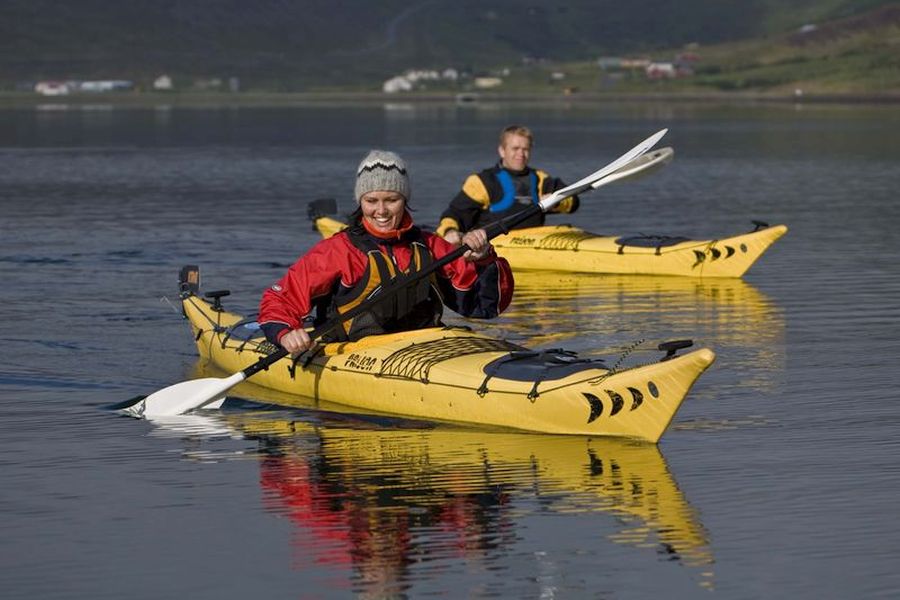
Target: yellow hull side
x,y
371,376
566,248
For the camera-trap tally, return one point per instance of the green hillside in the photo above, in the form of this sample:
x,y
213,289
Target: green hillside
x,y
852,55
858,54
310,45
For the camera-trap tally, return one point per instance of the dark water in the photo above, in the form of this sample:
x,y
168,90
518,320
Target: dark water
x,y
778,479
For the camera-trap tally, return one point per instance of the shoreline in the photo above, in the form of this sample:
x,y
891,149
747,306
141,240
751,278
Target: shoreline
x,y
193,99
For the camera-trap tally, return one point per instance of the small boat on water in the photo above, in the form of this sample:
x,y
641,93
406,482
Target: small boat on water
x,y
453,374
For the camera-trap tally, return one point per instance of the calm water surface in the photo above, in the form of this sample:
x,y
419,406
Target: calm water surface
x,y
778,479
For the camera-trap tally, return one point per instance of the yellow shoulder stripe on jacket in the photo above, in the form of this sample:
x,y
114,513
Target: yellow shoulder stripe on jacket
x,y
474,188
446,224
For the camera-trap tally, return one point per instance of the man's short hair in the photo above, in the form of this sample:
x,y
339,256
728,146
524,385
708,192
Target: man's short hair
x,y
516,130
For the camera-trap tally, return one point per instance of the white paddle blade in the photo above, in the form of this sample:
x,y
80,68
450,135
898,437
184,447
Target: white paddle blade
x,y
185,396
642,165
557,196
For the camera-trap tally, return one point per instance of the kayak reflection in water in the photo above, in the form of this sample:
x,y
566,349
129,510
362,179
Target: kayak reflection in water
x,y
393,504
366,520
507,188
380,245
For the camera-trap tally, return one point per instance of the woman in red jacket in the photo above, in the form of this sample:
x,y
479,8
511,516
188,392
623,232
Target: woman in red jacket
x,y
383,243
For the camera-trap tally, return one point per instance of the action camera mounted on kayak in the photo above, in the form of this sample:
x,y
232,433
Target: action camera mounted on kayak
x,y
189,280
189,285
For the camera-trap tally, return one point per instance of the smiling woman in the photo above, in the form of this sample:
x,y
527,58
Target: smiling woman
x,y
383,211
383,245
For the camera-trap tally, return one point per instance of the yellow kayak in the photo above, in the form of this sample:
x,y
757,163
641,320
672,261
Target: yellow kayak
x,y
453,374
570,249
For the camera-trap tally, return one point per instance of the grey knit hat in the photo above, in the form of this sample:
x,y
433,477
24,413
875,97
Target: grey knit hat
x,y
382,171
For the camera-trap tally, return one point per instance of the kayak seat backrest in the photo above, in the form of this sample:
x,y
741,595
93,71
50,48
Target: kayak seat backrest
x,y
540,365
245,330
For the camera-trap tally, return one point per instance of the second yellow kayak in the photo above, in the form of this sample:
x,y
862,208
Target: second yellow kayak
x,y
570,249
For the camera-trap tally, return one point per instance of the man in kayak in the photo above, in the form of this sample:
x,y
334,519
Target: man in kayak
x,y
507,188
381,244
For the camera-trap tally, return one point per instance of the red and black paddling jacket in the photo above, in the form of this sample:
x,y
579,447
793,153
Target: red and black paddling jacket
x,y
350,267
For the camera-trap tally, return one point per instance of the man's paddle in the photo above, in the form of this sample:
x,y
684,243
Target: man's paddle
x,y
642,165
639,167
197,393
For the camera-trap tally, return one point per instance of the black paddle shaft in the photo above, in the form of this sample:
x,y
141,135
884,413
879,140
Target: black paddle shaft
x,y
399,283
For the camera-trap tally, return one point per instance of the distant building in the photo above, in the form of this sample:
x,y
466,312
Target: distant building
x,y
52,88
422,75
659,70
102,86
397,84
635,63
418,79
484,83
163,83
684,64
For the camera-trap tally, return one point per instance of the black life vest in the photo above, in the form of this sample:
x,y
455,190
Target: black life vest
x,y
416,306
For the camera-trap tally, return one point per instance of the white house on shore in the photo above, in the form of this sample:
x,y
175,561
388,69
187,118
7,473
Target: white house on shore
x,y
163,83
63,88
660,70
397,84
484,83
103,85
414,78
52,88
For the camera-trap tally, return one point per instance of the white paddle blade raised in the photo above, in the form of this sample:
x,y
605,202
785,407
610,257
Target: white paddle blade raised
x,y
182,397
586,183
642,165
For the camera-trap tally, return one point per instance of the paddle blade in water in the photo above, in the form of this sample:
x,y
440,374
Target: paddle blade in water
x,y
182,397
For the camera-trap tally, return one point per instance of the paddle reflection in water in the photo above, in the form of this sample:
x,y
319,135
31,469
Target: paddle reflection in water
x,y
387,503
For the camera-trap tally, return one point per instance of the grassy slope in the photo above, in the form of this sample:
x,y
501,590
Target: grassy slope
x,y
281,45
858,54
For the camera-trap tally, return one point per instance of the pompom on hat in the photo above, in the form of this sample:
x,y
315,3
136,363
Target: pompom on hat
x,y
382,171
